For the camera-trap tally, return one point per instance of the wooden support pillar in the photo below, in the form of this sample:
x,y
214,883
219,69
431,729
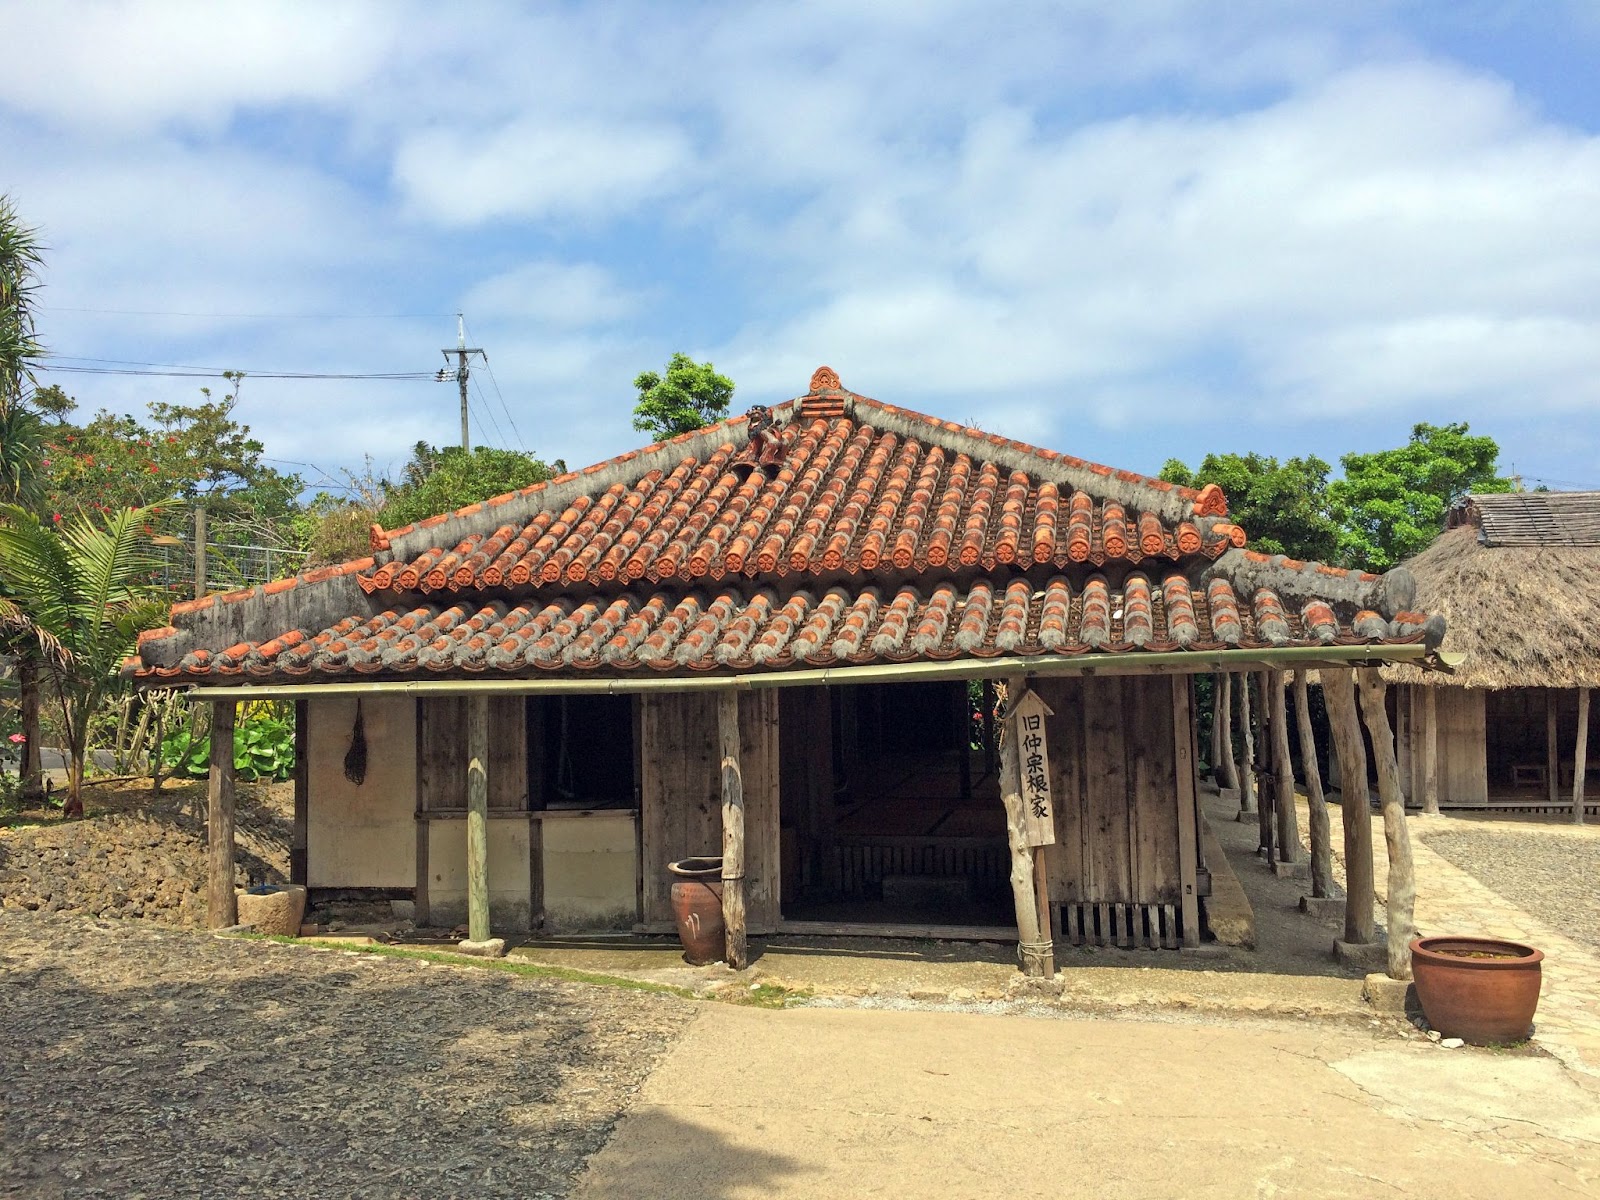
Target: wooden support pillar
x,y
299,834
1580,756
1321,830
1430,750
1266,781
1402,886
1222,712
1188,823
737,951
222,907
1283,769
1024,895
478,817
1339,696
1552,748
1247,768
990,750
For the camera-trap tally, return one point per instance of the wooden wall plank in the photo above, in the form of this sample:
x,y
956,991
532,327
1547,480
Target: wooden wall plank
x,y
1463,755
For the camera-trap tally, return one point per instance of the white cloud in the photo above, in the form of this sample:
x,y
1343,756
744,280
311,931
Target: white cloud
x,y
109,66
552,293
538,167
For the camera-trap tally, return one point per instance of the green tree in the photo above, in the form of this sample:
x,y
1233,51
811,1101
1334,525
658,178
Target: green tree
x,y
193,453
1392,503
1283,507
439,481
76,593
21,258
689,396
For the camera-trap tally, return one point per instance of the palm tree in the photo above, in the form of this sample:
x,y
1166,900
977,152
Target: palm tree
x,y
21,257
77,594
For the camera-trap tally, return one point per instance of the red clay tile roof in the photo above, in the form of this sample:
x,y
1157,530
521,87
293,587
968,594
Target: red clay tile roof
x,y
826,531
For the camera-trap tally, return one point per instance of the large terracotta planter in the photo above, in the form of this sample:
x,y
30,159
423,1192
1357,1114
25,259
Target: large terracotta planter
x,y
1482,990
697,908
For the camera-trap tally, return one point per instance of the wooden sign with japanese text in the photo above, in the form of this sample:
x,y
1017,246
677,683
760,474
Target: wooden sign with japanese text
x,y
1033,763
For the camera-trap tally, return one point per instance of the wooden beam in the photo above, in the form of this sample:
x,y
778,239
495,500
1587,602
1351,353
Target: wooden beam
x,y
1402,887
222,906
1580,756
1316,803
1283,768
478,818
1430,750
1030,938
1339,696
737,951
1188,840
1215,758
1552,748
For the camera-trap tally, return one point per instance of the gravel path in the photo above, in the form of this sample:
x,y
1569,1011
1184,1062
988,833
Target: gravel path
x,y
1550,872
137,1061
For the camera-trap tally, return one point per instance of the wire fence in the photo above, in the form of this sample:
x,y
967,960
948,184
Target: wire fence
x,y
228,565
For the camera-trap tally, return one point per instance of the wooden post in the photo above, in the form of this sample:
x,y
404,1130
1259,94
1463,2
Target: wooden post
x,y
737,950
1222,710
1552,748
299,839
1266,785
478,817
1580,756
1430,751
1283,768
222,907
1317,804
1339,696
1188,827
1023,892
1247,769
1402,889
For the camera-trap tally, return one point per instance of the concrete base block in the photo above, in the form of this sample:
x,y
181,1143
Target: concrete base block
x,y
1247,815
1389,995
1294,870
1370,956
1324,908
492,948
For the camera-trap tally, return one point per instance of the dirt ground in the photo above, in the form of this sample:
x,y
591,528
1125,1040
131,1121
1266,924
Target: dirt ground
x,y
142,1061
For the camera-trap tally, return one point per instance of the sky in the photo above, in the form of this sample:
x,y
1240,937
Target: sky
x,y
1127,230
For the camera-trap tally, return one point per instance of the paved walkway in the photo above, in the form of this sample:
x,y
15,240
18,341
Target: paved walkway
x,y
1450,901
845,1102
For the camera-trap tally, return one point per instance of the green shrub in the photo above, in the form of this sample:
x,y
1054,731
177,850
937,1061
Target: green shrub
x,y
263,748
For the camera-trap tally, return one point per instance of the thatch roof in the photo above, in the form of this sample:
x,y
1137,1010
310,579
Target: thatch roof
x,y
1533,518
1524,615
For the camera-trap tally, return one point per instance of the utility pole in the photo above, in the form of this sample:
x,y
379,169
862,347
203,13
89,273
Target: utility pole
x,y
462,353
200,551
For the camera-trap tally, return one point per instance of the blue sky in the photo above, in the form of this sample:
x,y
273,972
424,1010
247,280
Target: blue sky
x,y
1124,230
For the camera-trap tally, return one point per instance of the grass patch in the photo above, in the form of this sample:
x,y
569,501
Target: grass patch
x,y
761,995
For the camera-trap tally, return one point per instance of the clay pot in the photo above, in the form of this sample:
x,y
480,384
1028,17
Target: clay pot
x,y
697,908
1482,990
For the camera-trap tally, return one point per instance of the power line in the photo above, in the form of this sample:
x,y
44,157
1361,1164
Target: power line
x,y
217,372
501,397
153,312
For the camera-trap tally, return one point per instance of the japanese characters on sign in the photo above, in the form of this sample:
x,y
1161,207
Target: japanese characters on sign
x,y
1033,762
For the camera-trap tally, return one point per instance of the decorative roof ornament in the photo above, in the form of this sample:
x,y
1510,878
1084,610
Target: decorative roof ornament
x,y
825,379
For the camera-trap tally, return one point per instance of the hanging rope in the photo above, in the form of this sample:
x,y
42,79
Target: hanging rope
x,y
355,758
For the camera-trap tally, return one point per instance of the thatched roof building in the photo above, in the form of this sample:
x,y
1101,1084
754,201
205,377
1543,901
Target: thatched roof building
x,y
1517,578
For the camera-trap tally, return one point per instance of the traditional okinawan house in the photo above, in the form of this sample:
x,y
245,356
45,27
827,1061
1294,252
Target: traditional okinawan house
x,y
1518,577
782,637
